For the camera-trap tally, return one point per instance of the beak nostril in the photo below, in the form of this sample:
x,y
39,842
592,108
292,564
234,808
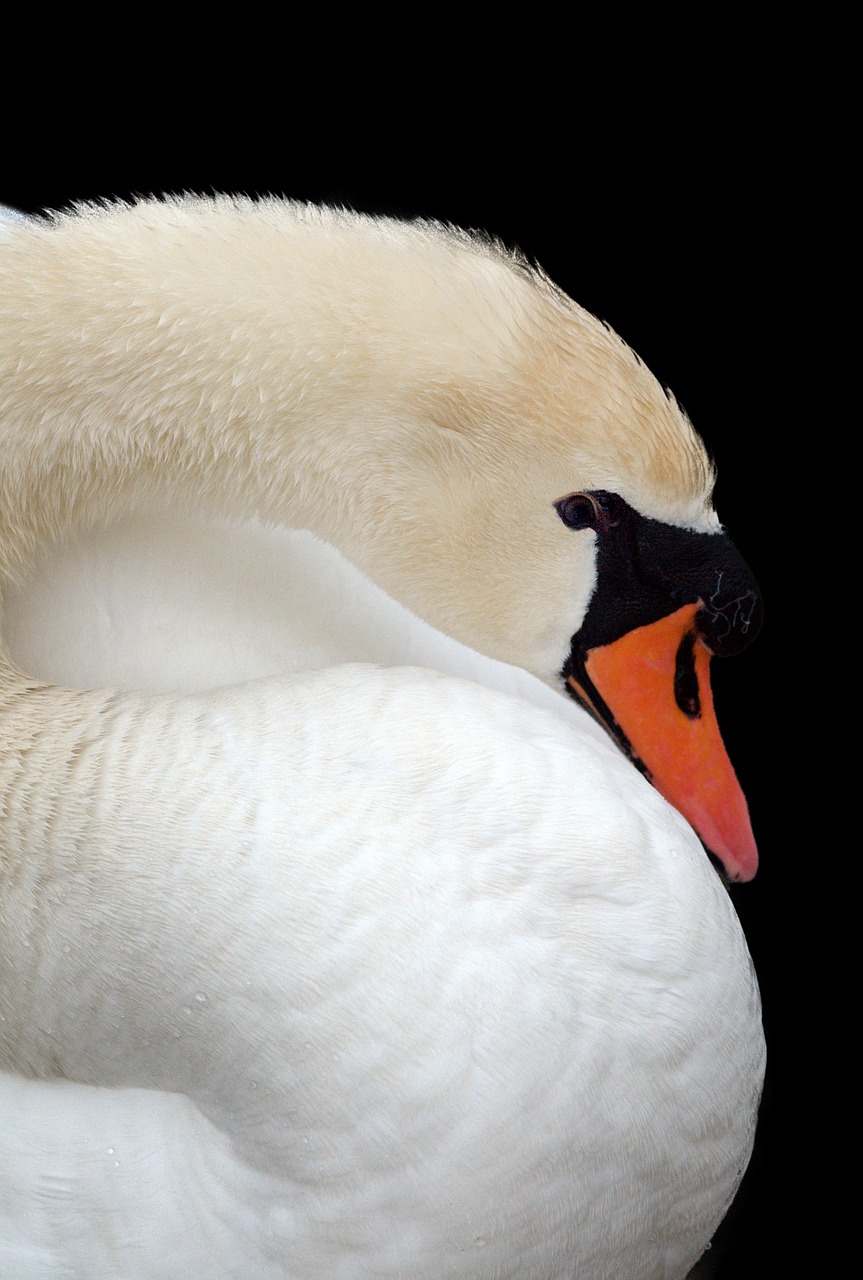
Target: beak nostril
x,y
686,692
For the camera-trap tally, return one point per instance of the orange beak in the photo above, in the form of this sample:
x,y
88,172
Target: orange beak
x,y
655,683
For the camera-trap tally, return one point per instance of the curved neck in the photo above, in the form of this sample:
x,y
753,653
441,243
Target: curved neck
x,y
410,395
225,364
236,362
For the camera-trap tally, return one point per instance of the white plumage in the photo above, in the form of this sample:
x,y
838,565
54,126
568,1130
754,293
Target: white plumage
x,y
346,970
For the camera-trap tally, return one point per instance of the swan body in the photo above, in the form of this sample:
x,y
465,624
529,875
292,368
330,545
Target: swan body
x,y
315,967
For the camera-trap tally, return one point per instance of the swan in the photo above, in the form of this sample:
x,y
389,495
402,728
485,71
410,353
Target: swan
x,y
380,968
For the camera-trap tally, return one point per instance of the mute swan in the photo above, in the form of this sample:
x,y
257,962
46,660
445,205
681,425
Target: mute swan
x,y
366,971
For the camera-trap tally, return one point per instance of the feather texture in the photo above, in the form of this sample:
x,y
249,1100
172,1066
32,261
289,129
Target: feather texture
x,y
331,945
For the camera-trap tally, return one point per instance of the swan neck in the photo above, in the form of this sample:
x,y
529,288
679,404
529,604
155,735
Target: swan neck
x,y
234,364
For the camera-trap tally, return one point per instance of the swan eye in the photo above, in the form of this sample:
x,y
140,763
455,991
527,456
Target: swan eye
x,y
597,510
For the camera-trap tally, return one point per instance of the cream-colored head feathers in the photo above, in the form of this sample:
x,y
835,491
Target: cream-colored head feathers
x,y
415,395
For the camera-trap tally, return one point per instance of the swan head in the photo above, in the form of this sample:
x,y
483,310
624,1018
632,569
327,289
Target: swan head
x,y
493,456
555,512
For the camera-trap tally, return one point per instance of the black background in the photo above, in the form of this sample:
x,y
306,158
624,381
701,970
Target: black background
x,y
678,235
